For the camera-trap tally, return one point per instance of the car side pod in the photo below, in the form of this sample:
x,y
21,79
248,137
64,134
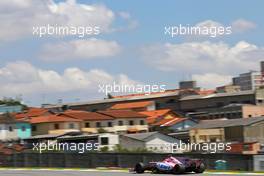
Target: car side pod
x,y
139,168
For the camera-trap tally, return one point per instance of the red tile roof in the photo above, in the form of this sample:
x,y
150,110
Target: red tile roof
x,y
122,114
141,104
157,115
172,122
206,92
53,118
84,115
32,112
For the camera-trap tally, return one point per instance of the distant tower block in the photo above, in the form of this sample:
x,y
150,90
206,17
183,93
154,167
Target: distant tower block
x,y
262,66
187,85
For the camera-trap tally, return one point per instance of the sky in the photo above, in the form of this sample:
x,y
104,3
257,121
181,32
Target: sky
x,y
132,47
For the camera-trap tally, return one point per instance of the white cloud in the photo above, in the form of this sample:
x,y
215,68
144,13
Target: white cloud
x,y
204,57
211,80
19,16
242,25
79,49
23,78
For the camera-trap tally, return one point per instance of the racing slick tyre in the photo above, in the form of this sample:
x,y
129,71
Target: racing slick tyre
x,y
178,169
155,171
139,168
200,169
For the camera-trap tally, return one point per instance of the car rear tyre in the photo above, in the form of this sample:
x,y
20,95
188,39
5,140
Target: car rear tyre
x,y
178,169
139,168
200,169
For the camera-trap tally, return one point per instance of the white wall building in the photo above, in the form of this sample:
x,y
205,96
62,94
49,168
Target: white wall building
x,y
152,141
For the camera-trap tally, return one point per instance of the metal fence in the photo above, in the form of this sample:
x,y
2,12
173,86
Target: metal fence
x,y
124,160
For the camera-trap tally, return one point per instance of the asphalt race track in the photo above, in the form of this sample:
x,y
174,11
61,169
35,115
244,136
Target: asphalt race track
x,y
85,173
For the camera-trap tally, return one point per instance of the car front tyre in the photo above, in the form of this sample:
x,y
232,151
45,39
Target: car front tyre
x,y
139,168
200,169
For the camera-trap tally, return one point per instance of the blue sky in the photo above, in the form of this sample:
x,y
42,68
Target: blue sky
x,y
142,52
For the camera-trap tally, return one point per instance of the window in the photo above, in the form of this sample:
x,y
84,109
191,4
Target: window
x,y
23,128
98,124
170,101
10,128
104,141
142,122
87,125
56,126
94,110
34,128
120,123
260,101
131,122
71,125
109,124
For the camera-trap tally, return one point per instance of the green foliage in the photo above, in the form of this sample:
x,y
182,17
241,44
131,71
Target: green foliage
x,y
101,130
104,149
12,102
119,149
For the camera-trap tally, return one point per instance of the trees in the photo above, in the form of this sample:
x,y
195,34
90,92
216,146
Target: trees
x,y
12,102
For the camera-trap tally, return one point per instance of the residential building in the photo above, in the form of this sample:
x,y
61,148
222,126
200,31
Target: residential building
x,y
12,129
152,141
251,80
115,121
228,88
135,106
197,103
231,111
168,99
181,101
166,118
127,121
54,124
246,130
201,135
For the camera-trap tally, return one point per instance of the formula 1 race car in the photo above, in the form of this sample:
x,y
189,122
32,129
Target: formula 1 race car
x,y
172,165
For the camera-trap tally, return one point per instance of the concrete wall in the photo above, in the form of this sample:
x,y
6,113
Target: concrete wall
x,y
258,163
130,143
161,143
254,133
6,134
91,160
252,111
23,130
